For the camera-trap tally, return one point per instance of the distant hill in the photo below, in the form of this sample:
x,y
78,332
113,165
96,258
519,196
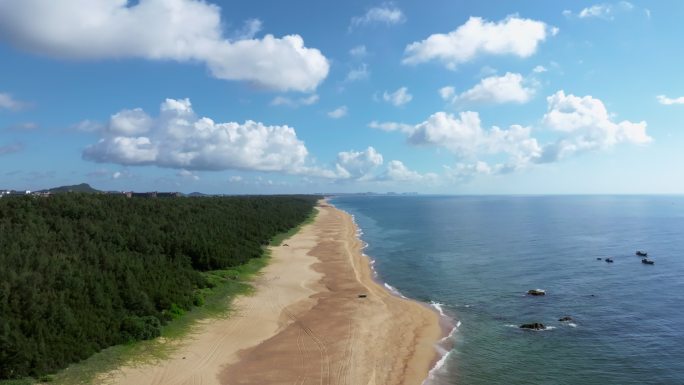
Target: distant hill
x,y
82,188
197,194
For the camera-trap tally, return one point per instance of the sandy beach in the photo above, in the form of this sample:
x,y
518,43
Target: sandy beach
x,y
306,324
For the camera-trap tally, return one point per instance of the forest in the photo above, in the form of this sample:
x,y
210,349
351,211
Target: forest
x,y
81,272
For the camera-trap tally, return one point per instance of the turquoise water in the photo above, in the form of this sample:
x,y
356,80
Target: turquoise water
x,y
479,255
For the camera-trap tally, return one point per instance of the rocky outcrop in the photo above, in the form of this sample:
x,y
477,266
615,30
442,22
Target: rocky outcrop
x,y
533,326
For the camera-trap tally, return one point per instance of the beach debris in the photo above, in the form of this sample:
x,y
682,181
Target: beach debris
x,y
533,326
285,244
536,292
566,318
641,253
362,295
647,261
609,260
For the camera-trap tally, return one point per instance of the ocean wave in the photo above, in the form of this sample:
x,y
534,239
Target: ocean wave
x,y
393,290
439,365
439,307
572,325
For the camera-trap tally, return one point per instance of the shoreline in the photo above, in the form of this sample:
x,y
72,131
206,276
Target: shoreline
x,y
317,315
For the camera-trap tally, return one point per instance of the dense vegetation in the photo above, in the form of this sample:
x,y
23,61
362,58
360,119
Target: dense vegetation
x,y
81,272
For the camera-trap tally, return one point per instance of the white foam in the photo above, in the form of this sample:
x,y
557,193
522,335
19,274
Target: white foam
x,y
393,290
439,307
458,324
572,325
438,366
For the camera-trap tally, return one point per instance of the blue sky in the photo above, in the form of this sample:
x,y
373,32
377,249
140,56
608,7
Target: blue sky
x,y
451,97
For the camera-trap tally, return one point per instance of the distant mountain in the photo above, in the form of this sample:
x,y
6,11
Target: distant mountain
x,y
82,188
197,194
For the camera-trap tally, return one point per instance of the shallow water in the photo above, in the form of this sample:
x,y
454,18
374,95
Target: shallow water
x,y
479,255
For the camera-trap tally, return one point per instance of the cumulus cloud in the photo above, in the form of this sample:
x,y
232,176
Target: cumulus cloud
x,y
8,102
509,88
573,125
294,102
511,36
397,98
387,14
179,30
179,139
587,125
397,171
358,165
464,136
662,99
338,112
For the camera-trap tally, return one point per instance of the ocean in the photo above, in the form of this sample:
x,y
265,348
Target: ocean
x,y
475,257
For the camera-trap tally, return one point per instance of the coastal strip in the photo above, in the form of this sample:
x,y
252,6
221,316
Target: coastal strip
x,y
316,317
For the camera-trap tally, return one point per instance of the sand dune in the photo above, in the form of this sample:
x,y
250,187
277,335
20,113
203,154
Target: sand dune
x,y
305,324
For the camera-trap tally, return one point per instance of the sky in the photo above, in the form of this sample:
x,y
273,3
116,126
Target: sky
x,y
310,96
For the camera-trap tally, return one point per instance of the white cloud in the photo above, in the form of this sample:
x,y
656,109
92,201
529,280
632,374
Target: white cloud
x,y
180,30
385,14
509,88
447,93
359,73
586,125
294,102
359,51
249,29
397,171
606,11
602,11
9,103
662,99
187,175
466,171
539,69
235,179
398,97
358,165
338,112
464,136
511,36
179,139
391,126
129,123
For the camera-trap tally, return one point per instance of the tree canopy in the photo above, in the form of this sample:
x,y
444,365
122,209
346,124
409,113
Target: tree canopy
x,y
81,272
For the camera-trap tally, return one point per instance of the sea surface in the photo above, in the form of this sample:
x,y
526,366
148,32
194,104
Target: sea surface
x,y
478,256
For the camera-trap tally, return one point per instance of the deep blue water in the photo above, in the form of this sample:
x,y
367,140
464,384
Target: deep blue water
x,y
479,255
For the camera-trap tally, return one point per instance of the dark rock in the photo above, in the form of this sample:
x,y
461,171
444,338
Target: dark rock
x,y
362,295
567,318
536,292
533,326
598,259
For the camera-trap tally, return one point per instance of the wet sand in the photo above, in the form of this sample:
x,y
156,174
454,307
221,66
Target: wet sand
x,y
306,324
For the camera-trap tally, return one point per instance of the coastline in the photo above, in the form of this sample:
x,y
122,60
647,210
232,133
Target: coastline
x,y
306,323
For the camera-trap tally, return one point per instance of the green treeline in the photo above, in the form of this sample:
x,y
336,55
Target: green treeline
x,y
81,272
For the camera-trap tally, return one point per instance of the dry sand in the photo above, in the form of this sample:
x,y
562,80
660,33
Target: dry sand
x,y
305,324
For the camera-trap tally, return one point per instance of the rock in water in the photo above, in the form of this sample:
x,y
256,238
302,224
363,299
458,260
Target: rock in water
x,y
567,318
533,326
536,292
